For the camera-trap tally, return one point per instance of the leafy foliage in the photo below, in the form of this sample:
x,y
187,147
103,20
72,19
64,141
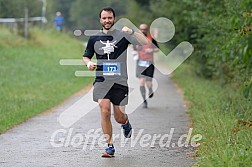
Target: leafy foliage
x,y
220,32
85,14
64,6
16,9
224,41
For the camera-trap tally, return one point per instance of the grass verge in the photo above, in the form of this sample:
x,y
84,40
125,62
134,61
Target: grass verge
x,y
222,116
32,80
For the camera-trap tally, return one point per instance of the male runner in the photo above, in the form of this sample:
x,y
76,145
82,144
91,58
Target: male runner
x,y
110,85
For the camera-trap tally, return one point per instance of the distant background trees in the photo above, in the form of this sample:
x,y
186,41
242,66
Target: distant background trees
x,y
15,9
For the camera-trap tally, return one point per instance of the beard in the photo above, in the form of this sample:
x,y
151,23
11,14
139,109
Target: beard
x,y
107,26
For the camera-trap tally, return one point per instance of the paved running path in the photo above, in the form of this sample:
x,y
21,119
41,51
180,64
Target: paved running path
x,y
30,144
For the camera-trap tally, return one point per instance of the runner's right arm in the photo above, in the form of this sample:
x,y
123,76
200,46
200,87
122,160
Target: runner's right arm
x,y
89,52
91,65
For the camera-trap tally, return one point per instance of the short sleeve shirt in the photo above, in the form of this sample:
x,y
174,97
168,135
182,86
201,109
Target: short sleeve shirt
x,y
59,21
119,41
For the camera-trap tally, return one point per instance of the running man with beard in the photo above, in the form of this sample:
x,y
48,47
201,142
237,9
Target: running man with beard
x,y
110,85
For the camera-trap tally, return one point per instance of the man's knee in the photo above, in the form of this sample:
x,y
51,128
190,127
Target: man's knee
x,y
105,107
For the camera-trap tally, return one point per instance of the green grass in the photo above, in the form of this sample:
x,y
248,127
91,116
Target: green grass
x,y
31,78
222,116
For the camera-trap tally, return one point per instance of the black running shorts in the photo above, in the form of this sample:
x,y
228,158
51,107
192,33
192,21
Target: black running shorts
x,y
117,94
145,72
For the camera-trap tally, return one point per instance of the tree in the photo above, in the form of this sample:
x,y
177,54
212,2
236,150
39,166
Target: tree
x,y
64,6
15,9
85,15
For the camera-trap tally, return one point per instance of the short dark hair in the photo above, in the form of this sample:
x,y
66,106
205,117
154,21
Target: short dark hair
x,y
107,9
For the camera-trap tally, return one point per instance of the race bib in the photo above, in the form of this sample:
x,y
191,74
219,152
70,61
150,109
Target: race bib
x,y
111,68
144,63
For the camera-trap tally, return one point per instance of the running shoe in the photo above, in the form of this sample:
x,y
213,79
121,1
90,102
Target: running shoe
x,y
109,152
127,129
151,94
145,104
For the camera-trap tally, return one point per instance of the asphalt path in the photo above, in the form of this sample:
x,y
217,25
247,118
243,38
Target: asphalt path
x,y
158,138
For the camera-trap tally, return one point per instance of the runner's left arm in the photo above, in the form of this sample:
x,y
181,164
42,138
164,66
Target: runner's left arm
x,y
139,36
